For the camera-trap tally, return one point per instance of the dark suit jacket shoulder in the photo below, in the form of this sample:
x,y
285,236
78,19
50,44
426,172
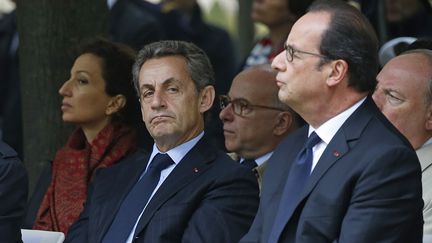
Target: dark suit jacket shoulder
x,y
206,198
366,187
13,194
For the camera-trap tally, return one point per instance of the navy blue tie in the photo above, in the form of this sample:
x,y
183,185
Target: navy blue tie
x,y
250,163
297,178
136,200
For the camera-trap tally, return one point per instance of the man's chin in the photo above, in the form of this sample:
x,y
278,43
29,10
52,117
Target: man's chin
x,y
161,131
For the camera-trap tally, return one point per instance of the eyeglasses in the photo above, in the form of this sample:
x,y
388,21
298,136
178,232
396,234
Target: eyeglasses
x,y
240,106
290,52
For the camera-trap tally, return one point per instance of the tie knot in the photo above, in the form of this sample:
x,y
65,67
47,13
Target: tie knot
x,y
250,163
160,162
312,140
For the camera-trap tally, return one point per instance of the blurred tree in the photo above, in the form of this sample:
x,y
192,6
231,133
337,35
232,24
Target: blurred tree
x,y
245,27
48,30
220,17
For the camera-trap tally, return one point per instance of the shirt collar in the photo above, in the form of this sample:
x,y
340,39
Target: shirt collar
x,y
177,153
260,160
327,130
429,141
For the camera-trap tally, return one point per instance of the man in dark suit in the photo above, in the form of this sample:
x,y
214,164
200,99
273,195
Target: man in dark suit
x,y
13,194
200,194
357,179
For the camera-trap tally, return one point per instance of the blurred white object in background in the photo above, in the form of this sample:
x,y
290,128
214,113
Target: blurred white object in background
x,y
390,49
6,6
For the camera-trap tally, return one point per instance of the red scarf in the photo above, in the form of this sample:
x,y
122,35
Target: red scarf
x,y
72,170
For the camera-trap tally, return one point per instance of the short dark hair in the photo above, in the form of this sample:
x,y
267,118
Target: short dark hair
x,y
350,37
116,63
197,62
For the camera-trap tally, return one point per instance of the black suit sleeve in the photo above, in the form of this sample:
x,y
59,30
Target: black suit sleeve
x,y
13,195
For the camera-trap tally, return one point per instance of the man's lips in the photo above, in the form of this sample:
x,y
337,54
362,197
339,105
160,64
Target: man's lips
x,y
228,132
279,83
159,118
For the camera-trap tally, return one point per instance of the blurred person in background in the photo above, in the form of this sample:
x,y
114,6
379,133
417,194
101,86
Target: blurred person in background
x,y
398,18
408,18
183,20
278,16
131,23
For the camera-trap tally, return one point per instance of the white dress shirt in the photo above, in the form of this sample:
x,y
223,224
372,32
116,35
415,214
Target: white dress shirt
x,y
176,154
328,129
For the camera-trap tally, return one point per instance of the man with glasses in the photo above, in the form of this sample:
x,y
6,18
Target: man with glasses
x,y
254,119
349,175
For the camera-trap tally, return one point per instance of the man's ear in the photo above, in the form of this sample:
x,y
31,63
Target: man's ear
x,y
115,104
207,96
338,72
284,122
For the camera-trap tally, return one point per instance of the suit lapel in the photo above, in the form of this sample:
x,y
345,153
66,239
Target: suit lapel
x,y
279,164
194,164
341,143
108,200
337,148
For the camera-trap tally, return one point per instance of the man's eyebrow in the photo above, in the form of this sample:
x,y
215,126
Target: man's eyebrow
x,y
165,82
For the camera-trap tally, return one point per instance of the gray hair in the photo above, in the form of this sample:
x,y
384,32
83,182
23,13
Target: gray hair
x,y
198,64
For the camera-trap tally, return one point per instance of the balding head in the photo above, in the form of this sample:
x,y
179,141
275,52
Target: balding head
x,y
404,94
260,127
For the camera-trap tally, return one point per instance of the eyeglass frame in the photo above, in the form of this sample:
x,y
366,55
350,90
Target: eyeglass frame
x,y
225,101
290,52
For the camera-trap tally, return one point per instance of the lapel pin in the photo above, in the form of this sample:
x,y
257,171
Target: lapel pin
x,y
195,170
336,153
